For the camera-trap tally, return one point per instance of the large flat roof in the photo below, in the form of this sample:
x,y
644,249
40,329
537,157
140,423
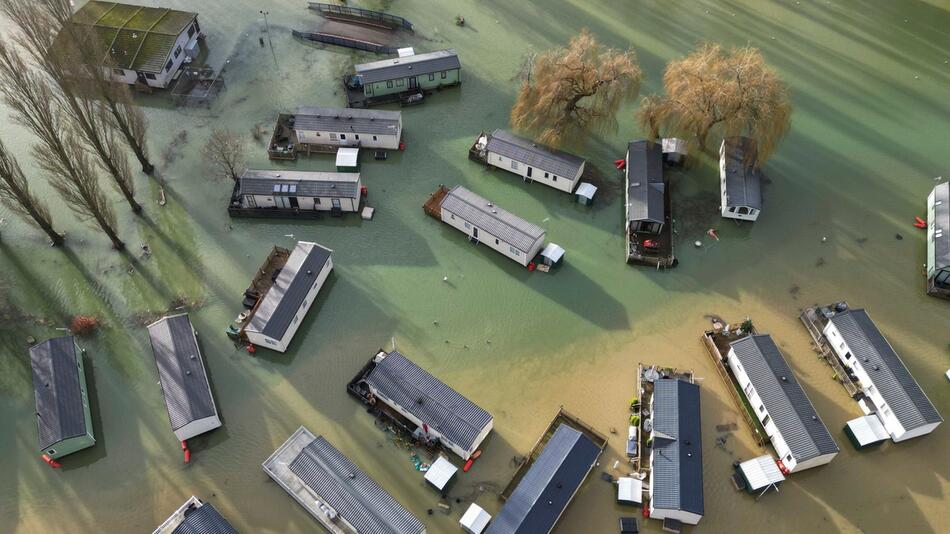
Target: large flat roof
x,y
526,151
677,475
272,182
743,180
60,413
355,120
402,67
645,185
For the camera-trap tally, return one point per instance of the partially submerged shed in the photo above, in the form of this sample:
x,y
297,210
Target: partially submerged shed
x,y
334,490
550,484
443,414
866,431
63,420
195,517
938,241
799,436
760,474
181,371
740,183
278,314
475,519
676,459
348,160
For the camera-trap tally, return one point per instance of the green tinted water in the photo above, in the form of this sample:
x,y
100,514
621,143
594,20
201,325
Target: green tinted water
x,y
869,135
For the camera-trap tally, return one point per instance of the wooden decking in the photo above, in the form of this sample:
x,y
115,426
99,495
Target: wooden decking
x,y
662,254
644,398
433,206
562,417
717,346
814,320
284,144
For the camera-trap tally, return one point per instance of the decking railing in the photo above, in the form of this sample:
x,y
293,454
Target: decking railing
x,y
812,322
758,433
348,42
361,16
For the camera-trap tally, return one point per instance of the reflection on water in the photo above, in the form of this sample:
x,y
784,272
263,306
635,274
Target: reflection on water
x,y
868,136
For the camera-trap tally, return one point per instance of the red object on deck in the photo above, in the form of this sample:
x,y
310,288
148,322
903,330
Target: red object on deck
x,y
621,164
531,267
184,447
251,349
650,244
402,145
52,463
363,190
468,465
646,512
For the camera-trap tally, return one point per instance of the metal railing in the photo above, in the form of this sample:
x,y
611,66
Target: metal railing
x,y
365,16
344,41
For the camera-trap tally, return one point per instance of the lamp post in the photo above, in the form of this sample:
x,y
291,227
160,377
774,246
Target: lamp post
x,y
267,29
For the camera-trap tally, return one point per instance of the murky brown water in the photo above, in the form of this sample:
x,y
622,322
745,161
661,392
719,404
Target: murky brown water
x,y
868,137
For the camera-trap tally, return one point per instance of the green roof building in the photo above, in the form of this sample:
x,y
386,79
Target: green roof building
x,y
146,45
64,424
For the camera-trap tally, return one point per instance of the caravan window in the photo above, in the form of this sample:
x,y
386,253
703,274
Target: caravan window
x,y
514,164
177,51
444,74
389,84
432,77
765,420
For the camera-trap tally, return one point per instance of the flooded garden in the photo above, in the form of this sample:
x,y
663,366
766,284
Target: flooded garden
x,y
869,85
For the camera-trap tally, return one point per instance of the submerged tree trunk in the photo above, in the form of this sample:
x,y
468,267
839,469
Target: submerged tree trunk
x,y
15,192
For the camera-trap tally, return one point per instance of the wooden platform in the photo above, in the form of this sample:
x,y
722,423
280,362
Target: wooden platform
x,y
717,346
815,322
433,206
562,417
662,255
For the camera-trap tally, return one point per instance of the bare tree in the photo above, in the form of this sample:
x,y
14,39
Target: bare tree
x,y
726,92
60,152
225,150
576,90
16,194
75,55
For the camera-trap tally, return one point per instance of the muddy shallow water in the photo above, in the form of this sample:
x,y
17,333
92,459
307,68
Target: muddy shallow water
x,y
870,84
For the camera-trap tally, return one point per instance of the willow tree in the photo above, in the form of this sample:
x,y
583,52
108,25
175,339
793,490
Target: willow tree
x,y
723,92
60,152
15,193
79,62
574,91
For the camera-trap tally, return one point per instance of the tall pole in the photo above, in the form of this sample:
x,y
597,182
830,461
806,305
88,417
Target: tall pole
x,y
267,29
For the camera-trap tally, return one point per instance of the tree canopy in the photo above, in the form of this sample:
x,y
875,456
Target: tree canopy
x,y
722,92
573,91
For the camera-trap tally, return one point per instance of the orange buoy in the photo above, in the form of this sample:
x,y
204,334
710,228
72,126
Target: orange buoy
x,y
402,145
251,349
781,467
52,463
468,465
621,164
920,223
184,447
476,454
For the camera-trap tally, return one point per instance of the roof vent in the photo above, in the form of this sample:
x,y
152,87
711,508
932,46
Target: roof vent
x,y
689,454
193,357
188,373
635,184
410,67
784,378
309,272
877,367
352,475
494,211
419,401
814,418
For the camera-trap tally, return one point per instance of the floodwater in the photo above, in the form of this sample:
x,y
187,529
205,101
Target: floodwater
x,y
870,84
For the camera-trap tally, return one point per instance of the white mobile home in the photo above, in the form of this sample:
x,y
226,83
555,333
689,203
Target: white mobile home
x,y
676,458
147,45
938,241
484,222
888,387
336,492
195,517
278,315
531,161
438,410
298,190
348,127
799,436
740,183
181,371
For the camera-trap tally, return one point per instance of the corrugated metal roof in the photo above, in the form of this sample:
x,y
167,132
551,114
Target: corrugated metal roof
x,y
278,307
940,226
402,67
886,369
783,397
139,38
306,184
538,156
429,399
549,485
485,215
761,471
352,493
357,121
677,475
743,181
181,370
204,519
56,385
645,186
